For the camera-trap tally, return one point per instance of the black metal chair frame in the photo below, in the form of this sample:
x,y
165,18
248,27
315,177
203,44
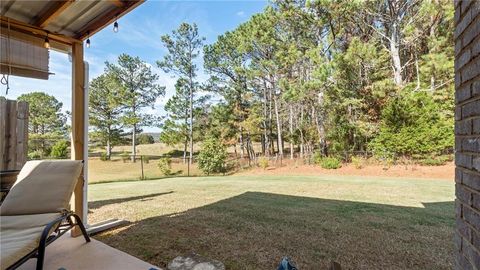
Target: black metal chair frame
x,y
59,226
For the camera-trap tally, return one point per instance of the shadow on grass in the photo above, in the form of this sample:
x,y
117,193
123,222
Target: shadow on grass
x,y
98,204
254,230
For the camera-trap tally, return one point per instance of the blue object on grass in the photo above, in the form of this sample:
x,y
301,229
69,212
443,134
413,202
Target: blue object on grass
x,y
286,264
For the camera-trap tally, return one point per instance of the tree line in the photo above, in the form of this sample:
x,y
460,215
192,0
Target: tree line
x,y
302,76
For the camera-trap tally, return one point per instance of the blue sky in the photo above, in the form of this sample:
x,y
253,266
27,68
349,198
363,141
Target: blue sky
x,y
139,35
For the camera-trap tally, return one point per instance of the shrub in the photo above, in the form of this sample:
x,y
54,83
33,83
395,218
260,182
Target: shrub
x,y
165,165
413,124
317,157
60,149
124,156
37,154
103,156
358,162
145,139
146,159
263,162
212,157
434,161
330,163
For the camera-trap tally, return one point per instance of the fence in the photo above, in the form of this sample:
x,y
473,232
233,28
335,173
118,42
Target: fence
x,y
13,134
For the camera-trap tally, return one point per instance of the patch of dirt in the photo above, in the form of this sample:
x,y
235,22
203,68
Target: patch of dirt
x,y
446,172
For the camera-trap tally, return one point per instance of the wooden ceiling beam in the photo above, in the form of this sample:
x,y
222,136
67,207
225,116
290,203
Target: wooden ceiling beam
x,y
98,24
37,40
35,31
118,3
55,9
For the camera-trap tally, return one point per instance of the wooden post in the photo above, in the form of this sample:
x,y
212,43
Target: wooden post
x,y
13,134
3,127
22,134
78,126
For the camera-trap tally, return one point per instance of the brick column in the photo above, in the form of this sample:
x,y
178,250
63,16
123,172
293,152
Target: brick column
x,y
467,134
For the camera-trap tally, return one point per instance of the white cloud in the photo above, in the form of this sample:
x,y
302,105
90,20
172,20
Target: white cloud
x,y
241,13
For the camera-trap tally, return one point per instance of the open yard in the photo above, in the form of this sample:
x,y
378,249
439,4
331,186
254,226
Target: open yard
x,y
250,222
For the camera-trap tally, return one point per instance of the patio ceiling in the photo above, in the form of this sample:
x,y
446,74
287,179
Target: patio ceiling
x,y
65,22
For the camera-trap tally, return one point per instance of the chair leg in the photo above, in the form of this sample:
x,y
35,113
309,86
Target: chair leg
x,y
82,228
40,255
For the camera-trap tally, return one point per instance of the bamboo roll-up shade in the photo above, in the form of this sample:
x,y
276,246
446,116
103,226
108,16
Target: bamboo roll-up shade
x,y
23,58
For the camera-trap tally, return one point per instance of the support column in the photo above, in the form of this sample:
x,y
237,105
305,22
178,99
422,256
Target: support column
x,y
78,126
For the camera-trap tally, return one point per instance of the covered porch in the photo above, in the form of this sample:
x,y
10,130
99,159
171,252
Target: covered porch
x,y
64,26
74,254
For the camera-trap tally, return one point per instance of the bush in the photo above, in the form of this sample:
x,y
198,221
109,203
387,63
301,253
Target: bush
x,y
103,156
413,124
434,161
211,158
263,162
165,165
37,154
317,157
146,159
358,162
330,163
145,139
60,149
124,156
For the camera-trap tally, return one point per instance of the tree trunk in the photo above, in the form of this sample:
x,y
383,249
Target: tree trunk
x,y
266,146
270,126
291,131
185,145
191,120
242,144
109,149
395,54
418,72
279,128
134,132
302,140
134,139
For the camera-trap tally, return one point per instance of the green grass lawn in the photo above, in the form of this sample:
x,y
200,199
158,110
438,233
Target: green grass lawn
x,y
251,222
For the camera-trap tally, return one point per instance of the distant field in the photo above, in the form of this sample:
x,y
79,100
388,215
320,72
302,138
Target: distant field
x,y
117,170
251,222
150,149
161,148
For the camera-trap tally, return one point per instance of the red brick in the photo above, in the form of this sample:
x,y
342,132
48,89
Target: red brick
x,y
463,229
476,126
471,180
463,59
471,32
463,127
463,194
463,160
471,217
458,175
463,93
471,144
471,109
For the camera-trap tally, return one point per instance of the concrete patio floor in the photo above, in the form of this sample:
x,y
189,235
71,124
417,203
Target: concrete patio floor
x,y
68,253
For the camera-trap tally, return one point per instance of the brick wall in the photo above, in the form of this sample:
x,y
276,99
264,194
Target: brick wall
x,y
467,134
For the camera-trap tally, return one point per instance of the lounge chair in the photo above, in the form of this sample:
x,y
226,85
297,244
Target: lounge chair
x,y
35,212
